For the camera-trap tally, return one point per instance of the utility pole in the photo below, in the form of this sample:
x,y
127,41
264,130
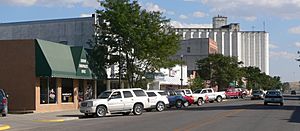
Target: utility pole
x,y
181,80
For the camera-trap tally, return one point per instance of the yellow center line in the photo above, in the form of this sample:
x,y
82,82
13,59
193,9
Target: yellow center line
x,y
4,127
57,120
210,120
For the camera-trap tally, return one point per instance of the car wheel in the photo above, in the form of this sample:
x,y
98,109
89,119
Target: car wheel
x,y
219,99
199,102
186,104
281,104
138,109
243,96
3,115
126,113
101,111
160,106
178,103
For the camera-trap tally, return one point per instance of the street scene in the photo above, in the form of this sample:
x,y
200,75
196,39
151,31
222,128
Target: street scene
x,y
123,65
233,114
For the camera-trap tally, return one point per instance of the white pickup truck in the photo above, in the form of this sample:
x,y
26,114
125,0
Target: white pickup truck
x,y
209,94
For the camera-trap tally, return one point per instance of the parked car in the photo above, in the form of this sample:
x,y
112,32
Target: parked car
x,y
175,99
210,94
273,96
188,97
293,92
3,103
122,101
257,94
233,92
158,100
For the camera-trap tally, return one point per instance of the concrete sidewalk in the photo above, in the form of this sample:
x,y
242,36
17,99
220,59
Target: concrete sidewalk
x,y
20,121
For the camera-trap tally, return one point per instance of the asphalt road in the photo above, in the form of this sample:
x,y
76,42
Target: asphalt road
x,y
232,115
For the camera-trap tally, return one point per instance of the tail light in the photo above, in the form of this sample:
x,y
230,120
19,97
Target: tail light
x,y
4,101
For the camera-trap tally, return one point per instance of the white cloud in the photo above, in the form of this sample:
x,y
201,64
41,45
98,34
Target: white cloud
x,y
285,9
199,14
273,46
183,17
178,24
153,7
297,44
295,30
283,54
52,3
85,15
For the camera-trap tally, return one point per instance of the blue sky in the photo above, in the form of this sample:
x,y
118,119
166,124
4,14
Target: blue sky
x,y
281,17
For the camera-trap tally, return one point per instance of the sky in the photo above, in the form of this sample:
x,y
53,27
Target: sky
x,y
281,18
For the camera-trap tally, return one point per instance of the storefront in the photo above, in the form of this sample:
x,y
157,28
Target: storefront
x,y
43,76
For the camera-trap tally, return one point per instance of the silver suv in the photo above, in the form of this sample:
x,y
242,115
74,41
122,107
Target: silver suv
x,y
3,103
122,101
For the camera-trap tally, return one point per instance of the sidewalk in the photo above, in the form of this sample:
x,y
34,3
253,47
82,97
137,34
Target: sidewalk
x,y
20,121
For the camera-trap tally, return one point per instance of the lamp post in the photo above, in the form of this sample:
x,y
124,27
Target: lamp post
x,y
181,80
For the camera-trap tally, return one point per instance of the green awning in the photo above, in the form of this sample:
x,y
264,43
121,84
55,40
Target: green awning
x,y
81,63
54,60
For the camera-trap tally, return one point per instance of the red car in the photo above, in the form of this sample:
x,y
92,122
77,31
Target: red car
x,y
190,99
233,92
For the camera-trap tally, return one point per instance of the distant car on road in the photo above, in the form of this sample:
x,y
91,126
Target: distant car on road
x,y
175,99
273,96
257,94
3,103
293,92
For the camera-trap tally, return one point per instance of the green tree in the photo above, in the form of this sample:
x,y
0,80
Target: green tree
x,y
197,83
221,70
133,38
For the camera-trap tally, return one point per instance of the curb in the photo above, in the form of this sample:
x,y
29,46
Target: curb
x,y
4,127
56,120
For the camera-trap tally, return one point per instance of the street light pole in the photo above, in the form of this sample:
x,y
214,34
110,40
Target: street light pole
x,y
181,80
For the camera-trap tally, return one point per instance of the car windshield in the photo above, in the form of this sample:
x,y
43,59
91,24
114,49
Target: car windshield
x,y
257,92
104,95
273,93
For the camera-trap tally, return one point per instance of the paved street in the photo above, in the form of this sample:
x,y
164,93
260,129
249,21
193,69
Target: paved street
x,y
234,115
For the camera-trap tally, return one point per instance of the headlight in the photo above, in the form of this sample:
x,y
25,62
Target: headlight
x,y
89,104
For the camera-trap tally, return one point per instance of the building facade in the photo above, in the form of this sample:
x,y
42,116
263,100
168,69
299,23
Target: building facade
x,y
42,76
250,47
73,31
194,49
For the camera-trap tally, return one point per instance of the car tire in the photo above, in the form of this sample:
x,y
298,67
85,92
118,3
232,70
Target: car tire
x,y
160,106
3,115
138,109
179,103
199,102
186,104
101,111
219,99
126,113
243,96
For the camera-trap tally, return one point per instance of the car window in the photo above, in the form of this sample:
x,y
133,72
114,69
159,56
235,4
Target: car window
x,y
162,93
104,95
188,92
209,91
139,93
1,94
197,91
151,94
204,91
116,95
127,94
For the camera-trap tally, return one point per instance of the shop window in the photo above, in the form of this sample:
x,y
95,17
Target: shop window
x,y
188,49
80,91
48,90
67,90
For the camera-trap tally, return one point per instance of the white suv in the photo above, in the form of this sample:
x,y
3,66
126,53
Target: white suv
x,y
158,100
122,101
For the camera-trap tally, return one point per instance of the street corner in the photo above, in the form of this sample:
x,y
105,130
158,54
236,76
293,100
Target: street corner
x,y
55,120
4,127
